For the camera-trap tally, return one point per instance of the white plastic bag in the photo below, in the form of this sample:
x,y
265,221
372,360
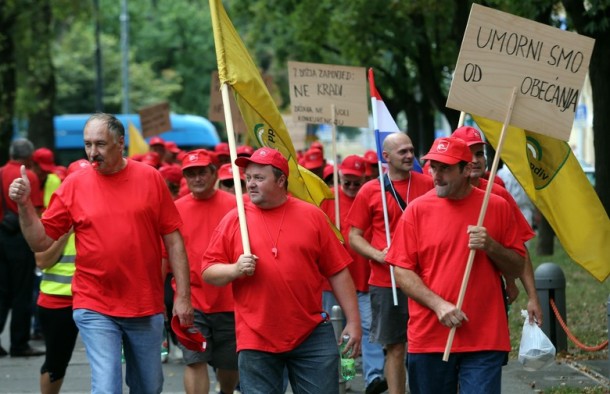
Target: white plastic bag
x,y
536,349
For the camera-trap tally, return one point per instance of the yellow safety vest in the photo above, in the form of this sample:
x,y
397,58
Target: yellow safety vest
x,y
57,280
50,185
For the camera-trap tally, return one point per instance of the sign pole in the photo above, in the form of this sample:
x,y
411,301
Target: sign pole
x,y
492,175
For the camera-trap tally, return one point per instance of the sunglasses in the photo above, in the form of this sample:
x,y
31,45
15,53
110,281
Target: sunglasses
x,y
350,183
227,183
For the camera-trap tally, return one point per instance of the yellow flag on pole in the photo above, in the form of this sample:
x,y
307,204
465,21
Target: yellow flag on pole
x,y
555,182
265,126
137,145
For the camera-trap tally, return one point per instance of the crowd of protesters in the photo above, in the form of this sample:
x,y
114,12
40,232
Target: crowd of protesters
x,y
128,245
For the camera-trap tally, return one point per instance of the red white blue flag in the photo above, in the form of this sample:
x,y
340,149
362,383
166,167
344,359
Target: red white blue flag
x,y
383,121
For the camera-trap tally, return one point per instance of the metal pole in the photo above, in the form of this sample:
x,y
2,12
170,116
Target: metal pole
x,y
99,81
336,319
125,55
551,284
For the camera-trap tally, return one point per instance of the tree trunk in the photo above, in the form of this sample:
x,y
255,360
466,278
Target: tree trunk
x,y
599,72
41,77
8,78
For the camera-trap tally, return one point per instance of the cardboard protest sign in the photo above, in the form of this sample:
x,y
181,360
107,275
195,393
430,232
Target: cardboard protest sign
x,y
154,119
216,108
314,88
297,131
547,65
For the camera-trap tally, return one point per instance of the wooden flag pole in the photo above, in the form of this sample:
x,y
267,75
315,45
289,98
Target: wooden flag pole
x,y
492,175
462,117
241,212
335,169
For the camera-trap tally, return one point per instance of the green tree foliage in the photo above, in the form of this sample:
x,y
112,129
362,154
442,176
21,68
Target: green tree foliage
x,y
175,39
412,46
36,74
75,65
593,19
8,75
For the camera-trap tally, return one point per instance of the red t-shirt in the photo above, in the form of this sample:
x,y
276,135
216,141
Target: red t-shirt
x,y
10,172
523,227
360,268
118,220
200,218
278,307
432,241
367,212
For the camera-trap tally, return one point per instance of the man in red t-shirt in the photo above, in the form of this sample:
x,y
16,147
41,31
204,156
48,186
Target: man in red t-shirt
x,y
389,321
16,259
119,210
475,142
430,250
201,211
352,175
277,288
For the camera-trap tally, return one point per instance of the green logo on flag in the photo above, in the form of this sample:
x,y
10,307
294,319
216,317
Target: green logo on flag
x,y
546,157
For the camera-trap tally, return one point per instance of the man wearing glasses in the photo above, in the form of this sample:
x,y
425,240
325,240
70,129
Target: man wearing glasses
x,y
225,179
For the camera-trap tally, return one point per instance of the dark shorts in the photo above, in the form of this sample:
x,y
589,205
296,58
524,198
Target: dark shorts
x,y
388,322
60,334
219,332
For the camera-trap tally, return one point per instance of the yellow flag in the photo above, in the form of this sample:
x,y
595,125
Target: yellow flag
x,y
137,145
263,120
555,182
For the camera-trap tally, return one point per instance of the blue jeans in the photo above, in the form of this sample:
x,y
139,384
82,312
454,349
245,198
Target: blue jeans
x,y
312,366
472,372
373,359
141,339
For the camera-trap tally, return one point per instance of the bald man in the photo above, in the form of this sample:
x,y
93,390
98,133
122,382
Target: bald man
x,y
402,186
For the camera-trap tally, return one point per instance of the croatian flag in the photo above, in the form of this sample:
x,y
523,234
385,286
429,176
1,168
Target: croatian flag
x,y
383,122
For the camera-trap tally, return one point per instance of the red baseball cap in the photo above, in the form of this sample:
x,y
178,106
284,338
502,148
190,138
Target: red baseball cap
x,y
222,148
156,141
469,135
45,159
317,145
197,158
353,165
265,156
172,147
370,156
245,150
226,172
171,173
449,150
314,158
190,337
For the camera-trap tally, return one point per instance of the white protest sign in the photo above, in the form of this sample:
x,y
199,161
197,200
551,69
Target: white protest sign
x,y
547,65
314,88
